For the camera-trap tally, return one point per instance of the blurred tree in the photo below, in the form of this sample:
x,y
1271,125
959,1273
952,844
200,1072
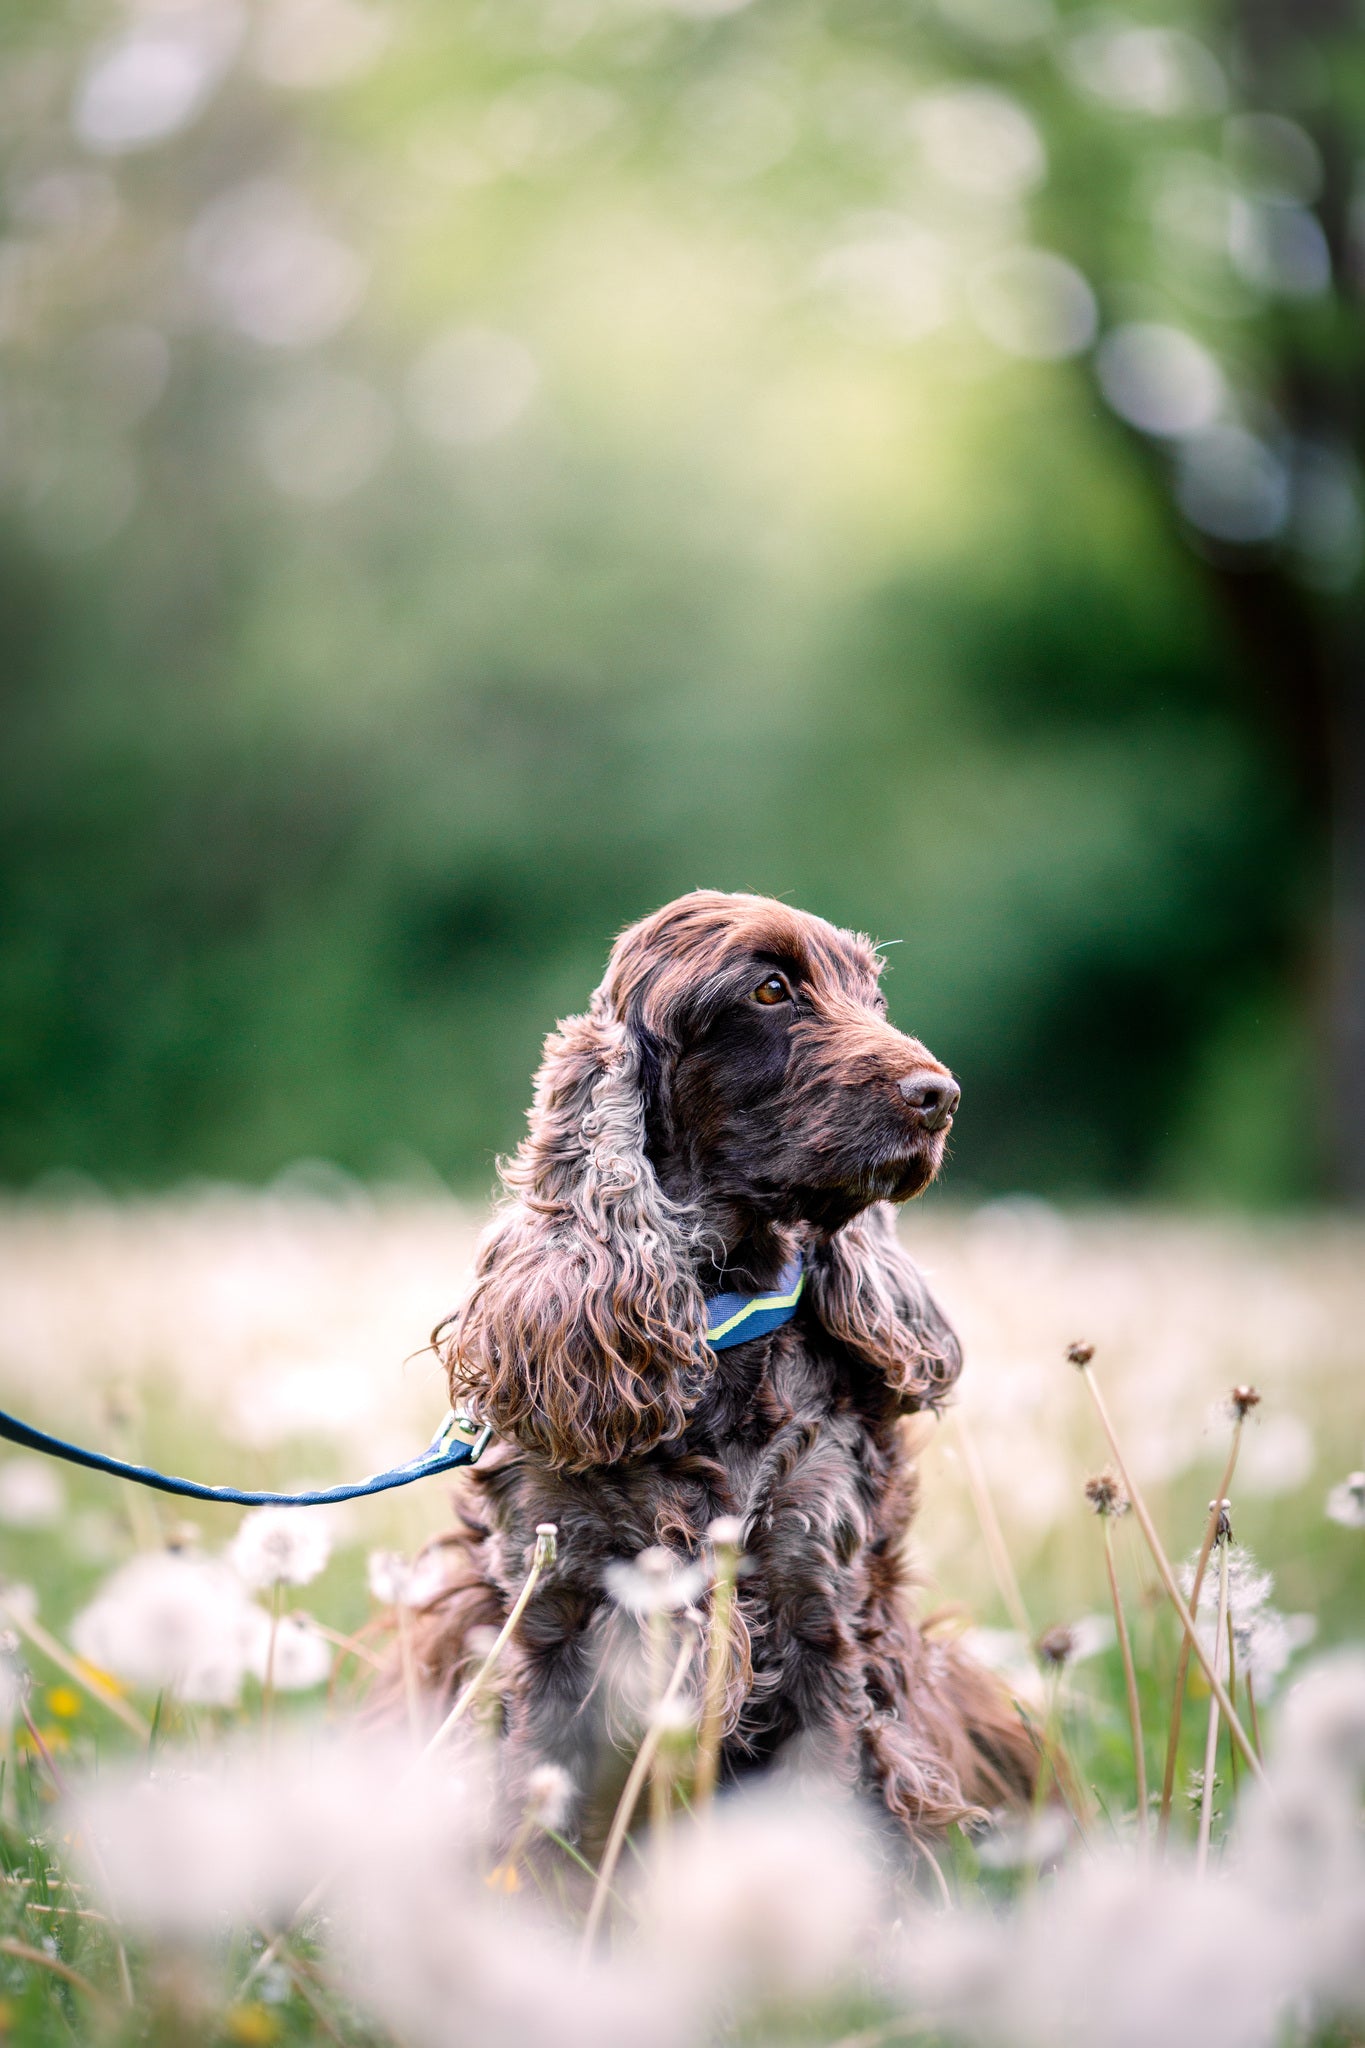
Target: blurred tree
x,y
471,472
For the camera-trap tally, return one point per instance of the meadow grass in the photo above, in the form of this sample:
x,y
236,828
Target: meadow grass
x,y
276,1341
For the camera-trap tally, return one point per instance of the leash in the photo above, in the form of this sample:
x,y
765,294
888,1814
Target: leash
x,y
461,1440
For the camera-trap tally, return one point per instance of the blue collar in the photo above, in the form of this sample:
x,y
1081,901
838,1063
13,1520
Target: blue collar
x,y
735,1318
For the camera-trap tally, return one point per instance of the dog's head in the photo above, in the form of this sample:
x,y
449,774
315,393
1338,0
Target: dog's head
x,y
777,1091
735,1076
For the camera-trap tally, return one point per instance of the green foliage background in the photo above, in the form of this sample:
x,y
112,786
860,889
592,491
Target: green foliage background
x,y
317,814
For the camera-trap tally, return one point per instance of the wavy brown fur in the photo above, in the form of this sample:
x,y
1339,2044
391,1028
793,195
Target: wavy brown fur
x,y
687,1134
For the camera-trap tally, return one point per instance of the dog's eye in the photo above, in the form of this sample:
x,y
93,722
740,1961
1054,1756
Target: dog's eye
x,y
772,990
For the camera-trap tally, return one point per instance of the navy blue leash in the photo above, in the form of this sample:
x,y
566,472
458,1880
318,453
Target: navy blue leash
x,y
461,1439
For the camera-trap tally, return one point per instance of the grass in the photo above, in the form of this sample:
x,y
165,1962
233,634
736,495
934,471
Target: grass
x,y
265,1340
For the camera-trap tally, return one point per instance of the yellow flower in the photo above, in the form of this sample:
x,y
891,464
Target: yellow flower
x,y
101,1680
64,1701
54,1738
251,2026
503,1878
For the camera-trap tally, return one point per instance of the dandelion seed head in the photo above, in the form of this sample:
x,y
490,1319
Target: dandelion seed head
x,y
1056,1646
1080,1355
276,1546
166,1620
654,1582
1346,1502
20,1599
726,1532
549,1797
302,1657
1241,1401
1106,1495
398,1581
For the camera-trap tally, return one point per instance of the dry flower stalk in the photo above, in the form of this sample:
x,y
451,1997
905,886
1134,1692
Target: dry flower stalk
x,y
547,1544
1107,1498
81,1674
634,1785
1242,1401
997,1550
1223,1539
1080,1356
726,1535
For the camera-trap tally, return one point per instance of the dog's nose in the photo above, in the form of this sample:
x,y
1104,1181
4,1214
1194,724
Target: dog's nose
x,y
934,1096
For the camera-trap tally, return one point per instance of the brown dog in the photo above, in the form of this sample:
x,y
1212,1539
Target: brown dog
x,y
734,1095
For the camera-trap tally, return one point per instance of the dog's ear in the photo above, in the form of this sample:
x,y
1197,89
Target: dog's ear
x,y
869,1294
583,1339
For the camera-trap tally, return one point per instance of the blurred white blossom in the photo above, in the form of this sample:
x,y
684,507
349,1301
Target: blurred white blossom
x,y
168,1621
654,1582
780,1893
280,1546
1346,1502
31,1493
302,1658
1264,1639
398,1581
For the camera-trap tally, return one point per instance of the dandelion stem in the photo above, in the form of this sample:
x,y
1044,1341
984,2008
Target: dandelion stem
x,y
41,1960
545,1551
1183,1660
1130,1681
996,1548
1211,1738
351,1644
625,1809
940,1880
1229,1637
82,1675
660,1801
1167,1576
717,1671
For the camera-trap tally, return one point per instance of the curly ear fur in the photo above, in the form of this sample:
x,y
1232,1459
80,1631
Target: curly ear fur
x,y
582,1337
869,1294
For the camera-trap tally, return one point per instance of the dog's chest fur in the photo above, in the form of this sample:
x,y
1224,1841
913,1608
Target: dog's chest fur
x,y
795,1437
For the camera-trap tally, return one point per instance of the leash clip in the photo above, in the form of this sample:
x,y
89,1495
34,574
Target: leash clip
x,y
478,1435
